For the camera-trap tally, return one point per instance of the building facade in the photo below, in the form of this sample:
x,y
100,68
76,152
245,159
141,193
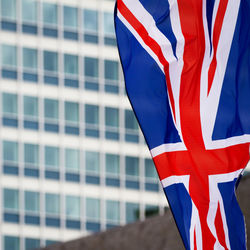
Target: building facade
x,y
73,161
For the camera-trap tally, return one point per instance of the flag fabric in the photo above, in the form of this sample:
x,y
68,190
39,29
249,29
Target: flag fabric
x,y
186,66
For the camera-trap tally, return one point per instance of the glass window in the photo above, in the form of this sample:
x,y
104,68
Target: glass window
x,y
73,207
11,242
112,164
72,159
31,244
70,64
108,23
150,171
32,201
71,112
111,70
130,120
132,166
91,114
11,199
112,211
70,17
9,104
91,68
92,162
31,154
30,59
132,212
90,20
29,10
50,61
9,56
111,117
151,210
8,9
30,106
50,13
51,109
10,151
51,157
93,209
52,204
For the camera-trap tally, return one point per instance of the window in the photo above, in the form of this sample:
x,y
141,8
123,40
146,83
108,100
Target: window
x,y
112,164
111,76
92,166
112,123
9,56
50,14
90,23
51,157
52,204
50,19
30,110
132,212
73,207
9,61
11,242
131,127
29,16
31,244
30,65
112,213
91,120
10,152
29,11
151,210
71,117
92,162
71,70
92,209
9,109
70,64
70,21
151,176
9,104
11,200
31,154
50,61
8,9
50,65
32,202
132,172
108,28
51,115
72,160
91,72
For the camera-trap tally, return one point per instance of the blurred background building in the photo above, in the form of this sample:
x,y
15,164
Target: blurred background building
x,y
73,161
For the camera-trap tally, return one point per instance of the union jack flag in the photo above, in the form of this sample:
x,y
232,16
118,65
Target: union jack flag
x,y
186,65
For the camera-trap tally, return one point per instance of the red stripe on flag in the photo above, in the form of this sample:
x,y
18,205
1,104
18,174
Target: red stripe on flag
x,y
216,36
150,42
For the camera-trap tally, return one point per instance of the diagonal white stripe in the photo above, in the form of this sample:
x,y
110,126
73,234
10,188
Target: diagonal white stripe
x,y
149,23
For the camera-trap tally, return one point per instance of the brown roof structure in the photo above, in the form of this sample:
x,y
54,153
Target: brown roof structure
x,y
155,233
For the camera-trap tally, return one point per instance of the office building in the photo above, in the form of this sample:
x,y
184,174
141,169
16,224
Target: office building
x,y
73,160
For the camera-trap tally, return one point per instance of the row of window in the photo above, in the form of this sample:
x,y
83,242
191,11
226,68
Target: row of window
x,y
71,118
72,212
70,75
15,243
56,21
128,171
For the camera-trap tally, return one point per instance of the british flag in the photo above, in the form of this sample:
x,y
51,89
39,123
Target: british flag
x,y
186,65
